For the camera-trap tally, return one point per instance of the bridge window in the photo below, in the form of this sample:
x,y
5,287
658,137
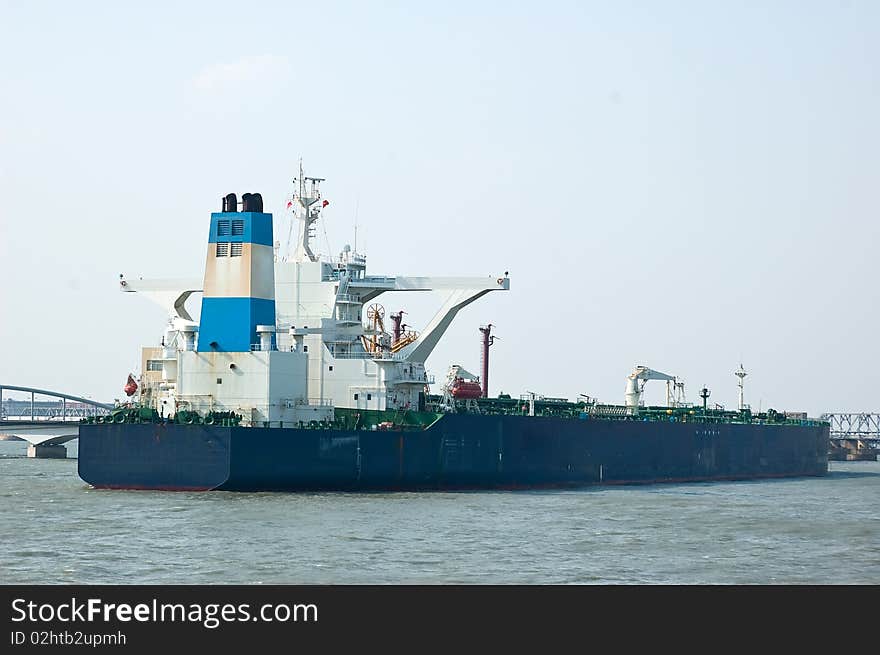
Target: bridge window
x,y
222,228
355,396
235,250
154,364
222,249
237,227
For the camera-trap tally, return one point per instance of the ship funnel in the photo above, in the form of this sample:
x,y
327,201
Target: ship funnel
x,y
230,203
239,289
252,202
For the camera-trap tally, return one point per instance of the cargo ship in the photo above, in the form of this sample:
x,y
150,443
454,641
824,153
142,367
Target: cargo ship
x,y
290,381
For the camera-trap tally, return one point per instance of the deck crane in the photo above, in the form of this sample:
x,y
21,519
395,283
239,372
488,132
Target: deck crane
x,y
636,381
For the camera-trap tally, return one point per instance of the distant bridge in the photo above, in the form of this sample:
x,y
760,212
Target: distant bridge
x,y
854,435
854,425
46,425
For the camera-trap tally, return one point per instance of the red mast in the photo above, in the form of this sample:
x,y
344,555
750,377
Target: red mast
x,y
487,341
397,320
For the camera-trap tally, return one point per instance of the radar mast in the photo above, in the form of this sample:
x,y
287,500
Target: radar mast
x,y
307,194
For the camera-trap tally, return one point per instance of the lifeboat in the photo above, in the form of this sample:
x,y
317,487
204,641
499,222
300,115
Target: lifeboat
x,y
464,389
130,386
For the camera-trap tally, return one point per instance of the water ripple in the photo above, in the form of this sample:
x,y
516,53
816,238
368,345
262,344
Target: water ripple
x,y
54,529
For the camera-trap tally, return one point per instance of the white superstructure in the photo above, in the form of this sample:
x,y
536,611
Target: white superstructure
x,y
327,323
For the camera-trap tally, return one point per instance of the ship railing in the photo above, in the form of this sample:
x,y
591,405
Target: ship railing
x,y
424,378
59,413
348,297
542,399
314,402
608,410
377,279
622,413
70,415
352,355
387,356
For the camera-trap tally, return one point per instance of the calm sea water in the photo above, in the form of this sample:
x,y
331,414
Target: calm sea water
x,y
55,529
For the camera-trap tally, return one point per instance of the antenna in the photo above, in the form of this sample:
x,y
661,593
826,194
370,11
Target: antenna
x,y
357,204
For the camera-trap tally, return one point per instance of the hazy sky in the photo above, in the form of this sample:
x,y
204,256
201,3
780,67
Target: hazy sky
x,y
684,185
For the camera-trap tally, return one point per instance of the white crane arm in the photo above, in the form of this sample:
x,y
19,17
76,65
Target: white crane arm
x,y
645,373
171,294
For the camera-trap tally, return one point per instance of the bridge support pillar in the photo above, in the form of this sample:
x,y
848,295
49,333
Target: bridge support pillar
x,y
47,452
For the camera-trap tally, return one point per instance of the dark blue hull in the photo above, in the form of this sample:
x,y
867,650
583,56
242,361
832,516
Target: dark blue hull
x,y
457,452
